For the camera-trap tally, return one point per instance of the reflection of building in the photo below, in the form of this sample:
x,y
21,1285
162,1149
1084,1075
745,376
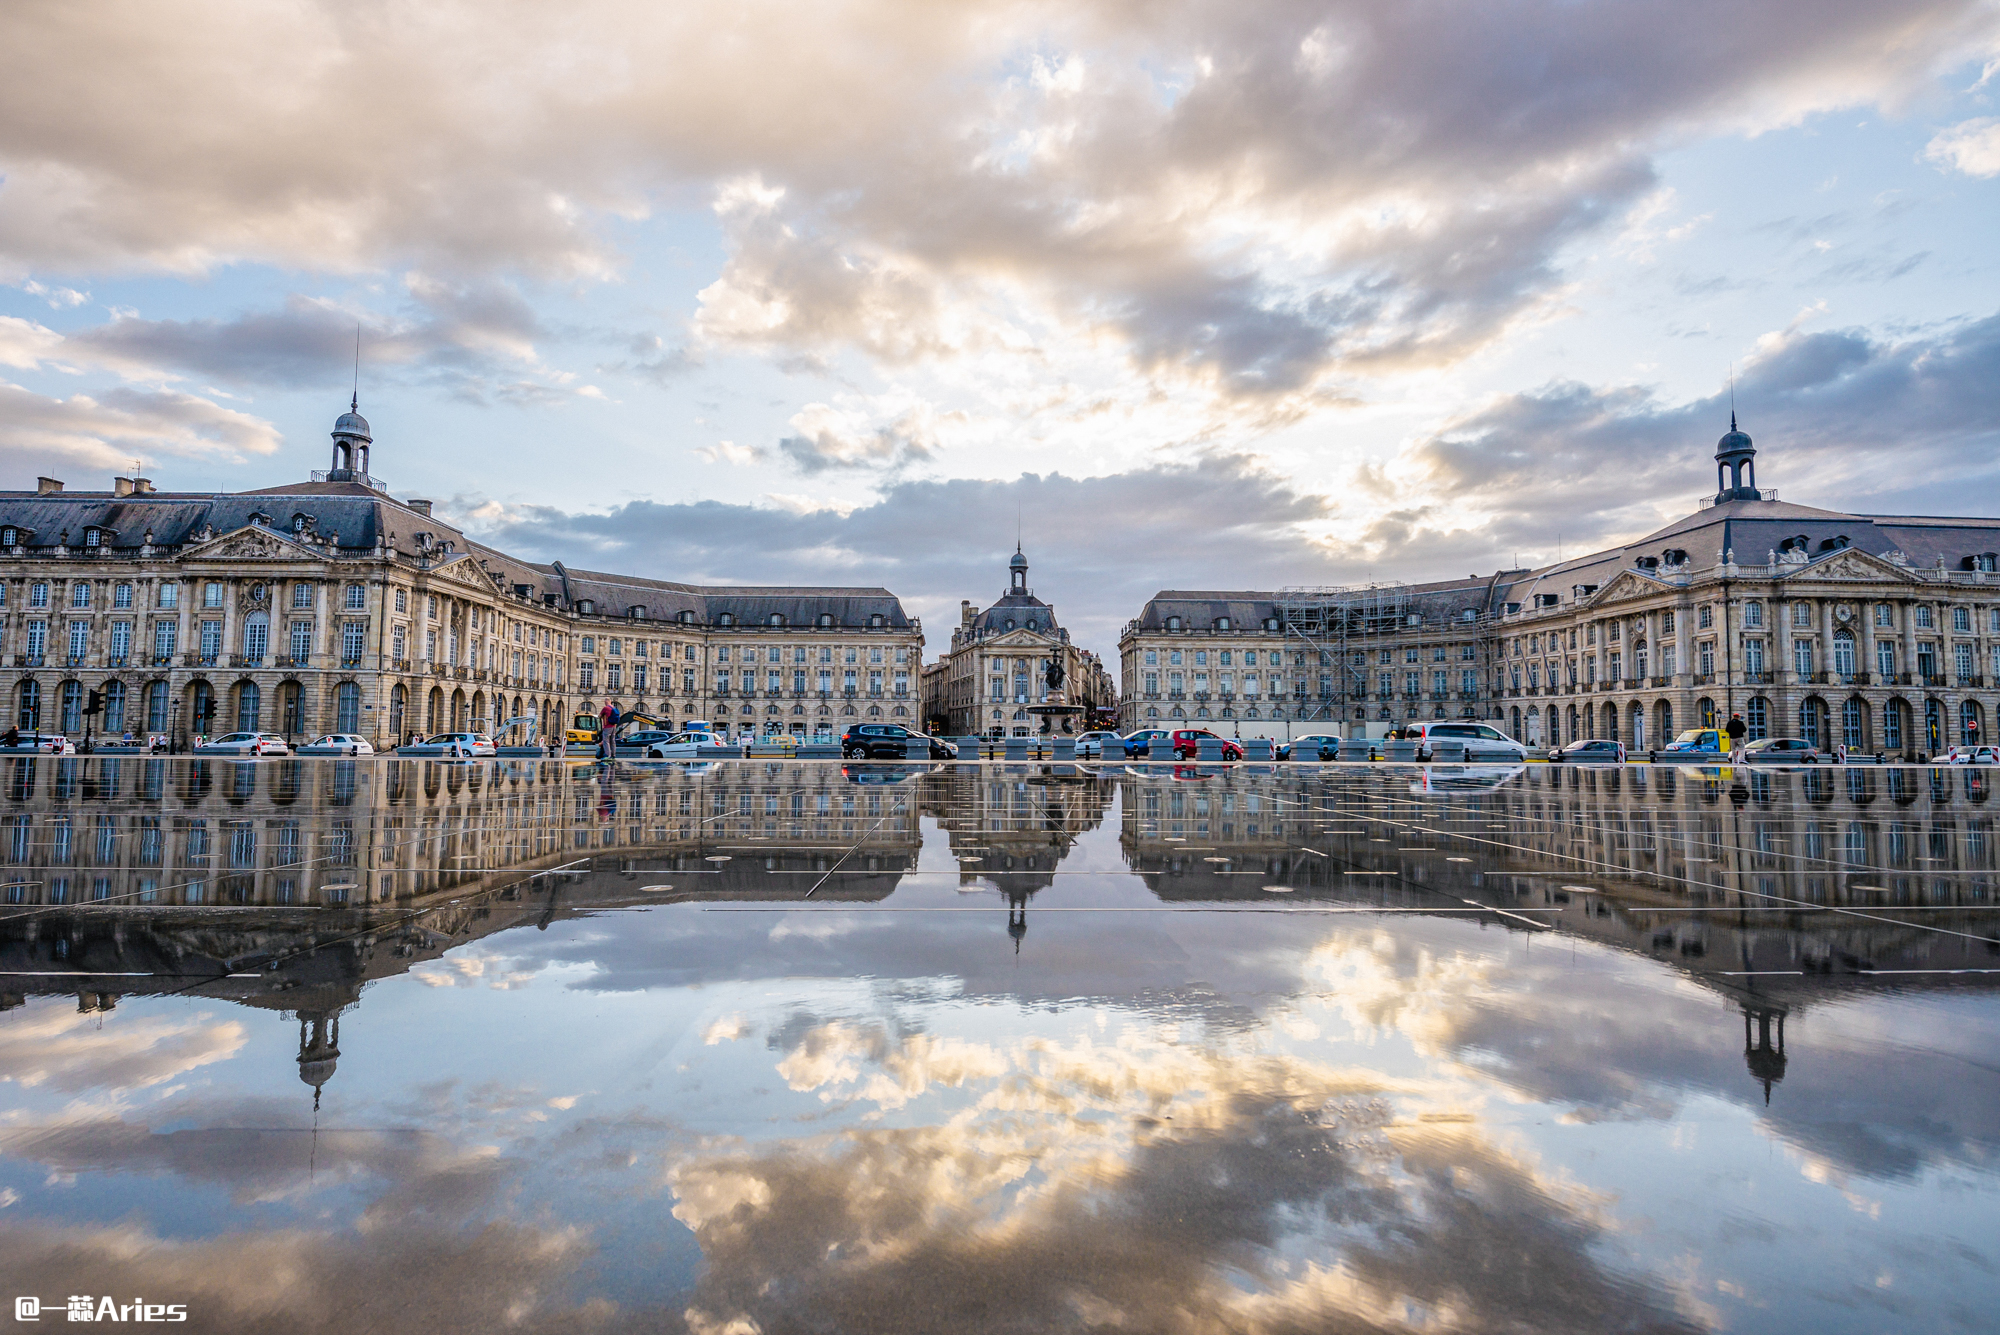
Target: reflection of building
x,y
994,669
329,606
293,890
1878,632
1765,1056
1010,827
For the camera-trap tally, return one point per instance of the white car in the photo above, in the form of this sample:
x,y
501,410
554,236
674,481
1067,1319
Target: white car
x,y
456,745
1090,745
245,744
1972,755
338,744
680,746
1482,741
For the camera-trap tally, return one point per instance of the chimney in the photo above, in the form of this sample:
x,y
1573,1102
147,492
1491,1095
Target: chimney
x,y
121,486
141,486
421,507
47,486
965,611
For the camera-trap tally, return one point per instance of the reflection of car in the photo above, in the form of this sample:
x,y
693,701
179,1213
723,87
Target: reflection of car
x,y
1137,744
337,744
679,745
1187,744
873,775
1089,744
1693,742
53,743
1463,778
885,741
1590,751
1785,750
1312,746
458,745
1483,738
246,744
1972,755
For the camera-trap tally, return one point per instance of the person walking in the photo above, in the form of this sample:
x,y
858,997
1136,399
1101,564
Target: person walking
x,y
1735,731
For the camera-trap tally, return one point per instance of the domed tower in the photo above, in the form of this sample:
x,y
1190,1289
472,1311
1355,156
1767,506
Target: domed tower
x,y
350,445
319,1048
1017,572
1735,466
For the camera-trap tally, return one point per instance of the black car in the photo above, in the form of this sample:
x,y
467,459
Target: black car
x,y
885,741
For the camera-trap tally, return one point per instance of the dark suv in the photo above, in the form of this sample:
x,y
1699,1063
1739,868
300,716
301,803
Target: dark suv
x,y
884,741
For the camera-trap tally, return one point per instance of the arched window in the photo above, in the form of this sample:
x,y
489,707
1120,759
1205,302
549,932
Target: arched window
x,y
29,712
72,707
156,706
1854,723
347,707
1705,713
1933,726
249,706
1969,731
1812,721
399,703
1757,719
114,707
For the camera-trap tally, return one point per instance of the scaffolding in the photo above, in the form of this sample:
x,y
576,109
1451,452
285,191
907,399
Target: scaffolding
x,y
1328,622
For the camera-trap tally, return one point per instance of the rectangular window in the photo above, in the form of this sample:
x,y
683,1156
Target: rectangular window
x,y
1753,614
1468,681
79,638
1704,617
1753,657
614,676
121,639
301,639
1924,621
430,646
1884,615
79,594
1885,658
1802,614
121,595
1385,683
38,595
402,600
1669,663
586,676
1802,657
1152,658
1152,683
399,645
1962,658
164,635
211,639
638,676
1961,620
302,595
353,636
170,595
1705,652
1410,679
211,594
1615,666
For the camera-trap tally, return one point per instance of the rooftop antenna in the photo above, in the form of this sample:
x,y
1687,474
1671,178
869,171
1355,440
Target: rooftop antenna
x,y
354,404
1732,396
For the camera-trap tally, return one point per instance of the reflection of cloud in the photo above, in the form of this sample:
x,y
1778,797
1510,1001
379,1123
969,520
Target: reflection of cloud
x,y
1141,1184
72,1051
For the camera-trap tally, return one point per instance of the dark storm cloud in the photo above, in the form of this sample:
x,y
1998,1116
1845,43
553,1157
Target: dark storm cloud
x,y
1841,418
1107,543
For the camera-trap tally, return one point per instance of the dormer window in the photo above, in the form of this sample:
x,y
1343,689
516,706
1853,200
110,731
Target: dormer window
x,y
1270,623
1222,623
300,523
1173,623
875,621
726,619
826,621
775,619
636,613
1469,614
93,537
586,607
686,618
10,537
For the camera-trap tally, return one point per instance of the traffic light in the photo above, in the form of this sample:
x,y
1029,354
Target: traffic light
x,y
95,704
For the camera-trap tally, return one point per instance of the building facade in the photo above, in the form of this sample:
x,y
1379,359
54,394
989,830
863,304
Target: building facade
x,y
329,606
1877,632
995,667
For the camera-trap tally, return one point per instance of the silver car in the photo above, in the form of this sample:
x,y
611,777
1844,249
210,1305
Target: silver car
x,y
1782,750
245,744
455,745
338,744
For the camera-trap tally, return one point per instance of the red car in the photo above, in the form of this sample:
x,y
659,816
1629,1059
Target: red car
x,y
1187,744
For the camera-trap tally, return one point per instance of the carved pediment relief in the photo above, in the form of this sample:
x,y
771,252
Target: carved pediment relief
x,y
1850,564
249,544
1627,584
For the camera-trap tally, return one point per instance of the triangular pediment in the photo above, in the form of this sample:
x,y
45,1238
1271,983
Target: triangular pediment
x,y
1848,563
1627,584
1020,637
253,542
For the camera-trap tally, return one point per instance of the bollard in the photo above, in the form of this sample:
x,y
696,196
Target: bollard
x,y
1208,748
1259,748
1160,748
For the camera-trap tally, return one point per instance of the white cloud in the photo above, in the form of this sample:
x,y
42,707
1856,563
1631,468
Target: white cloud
x,y
1972,147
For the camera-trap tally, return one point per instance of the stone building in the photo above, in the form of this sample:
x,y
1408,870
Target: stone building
x,y
994,669
1877,632
330,606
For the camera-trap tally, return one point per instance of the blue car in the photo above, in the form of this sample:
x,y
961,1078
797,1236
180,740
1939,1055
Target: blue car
x,y
1137,744
1695,742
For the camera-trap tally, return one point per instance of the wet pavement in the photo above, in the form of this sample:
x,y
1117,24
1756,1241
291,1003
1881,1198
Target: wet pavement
x,y
318,1045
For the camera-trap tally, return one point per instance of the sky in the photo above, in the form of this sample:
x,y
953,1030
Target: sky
x,y
1185,294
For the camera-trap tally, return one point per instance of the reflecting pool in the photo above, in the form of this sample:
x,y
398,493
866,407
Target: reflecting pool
x,y
385,1045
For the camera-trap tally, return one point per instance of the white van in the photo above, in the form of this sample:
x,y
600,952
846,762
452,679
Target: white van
x,y
1482,740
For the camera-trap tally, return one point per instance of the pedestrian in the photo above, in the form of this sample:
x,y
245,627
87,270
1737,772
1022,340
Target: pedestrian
x,y
1735,729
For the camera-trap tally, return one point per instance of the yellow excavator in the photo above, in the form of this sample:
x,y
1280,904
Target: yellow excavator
x,y
583,728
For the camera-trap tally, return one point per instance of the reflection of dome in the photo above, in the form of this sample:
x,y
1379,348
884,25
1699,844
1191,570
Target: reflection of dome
x,y
317,1073
319,1049
1765,1058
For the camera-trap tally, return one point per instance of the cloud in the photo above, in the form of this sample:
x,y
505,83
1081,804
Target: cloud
x,y
107,431
1100,545
831,437
1842,418
1972,147
1256,202
729,452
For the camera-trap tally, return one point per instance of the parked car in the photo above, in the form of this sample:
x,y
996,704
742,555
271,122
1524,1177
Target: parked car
x,y
1187,744
1312,746
246,744
337,744
645,737
678,745
1590,751
885,741
1972,755
1693,743
1482,738
1137,743
50,743
457,745
1785,750
1090,745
